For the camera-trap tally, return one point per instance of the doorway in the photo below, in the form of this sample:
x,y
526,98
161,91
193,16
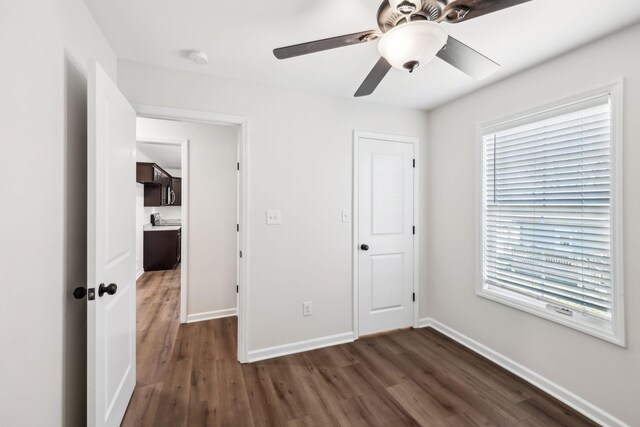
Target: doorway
x,y
162,205
385,241
214,206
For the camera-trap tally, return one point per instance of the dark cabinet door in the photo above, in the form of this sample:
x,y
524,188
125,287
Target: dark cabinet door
x,y
148,173
161,250
153,195
176,187
179,247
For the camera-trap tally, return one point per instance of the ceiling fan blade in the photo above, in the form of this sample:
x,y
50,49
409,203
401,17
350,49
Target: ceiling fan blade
x,y
467,60
478,8
374,78
325,44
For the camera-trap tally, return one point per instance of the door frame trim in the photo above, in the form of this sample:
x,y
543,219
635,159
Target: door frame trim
x,y
184,244
157,112
357,135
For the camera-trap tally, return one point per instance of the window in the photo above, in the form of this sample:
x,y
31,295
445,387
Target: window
x,y
549,224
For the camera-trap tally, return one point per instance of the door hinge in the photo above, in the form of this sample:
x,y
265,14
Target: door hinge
x,y
240,254
237,227
238,165
414,297
237,289
414,229
414,163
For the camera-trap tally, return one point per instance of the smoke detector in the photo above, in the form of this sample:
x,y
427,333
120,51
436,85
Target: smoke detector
x,y
198,57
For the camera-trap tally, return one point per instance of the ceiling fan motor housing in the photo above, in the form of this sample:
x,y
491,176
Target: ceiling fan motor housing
x,y
405,7
397,12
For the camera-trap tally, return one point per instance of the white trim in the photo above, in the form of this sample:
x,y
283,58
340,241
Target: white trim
x,y
184,221
357,135
243,200
300,346
424,322
139,274
209,315
617,333
562,394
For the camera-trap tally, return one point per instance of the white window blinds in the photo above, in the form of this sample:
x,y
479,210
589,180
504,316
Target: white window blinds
x,y
547,208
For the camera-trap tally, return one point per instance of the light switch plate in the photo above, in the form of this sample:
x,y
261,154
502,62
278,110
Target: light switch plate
x,y
274,217
346,216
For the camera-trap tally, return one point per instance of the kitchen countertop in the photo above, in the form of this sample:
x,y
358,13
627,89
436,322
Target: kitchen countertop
x,y
149,227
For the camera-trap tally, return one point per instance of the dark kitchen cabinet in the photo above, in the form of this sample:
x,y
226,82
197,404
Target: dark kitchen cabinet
x,y
149,173
158,185
176,187
162,249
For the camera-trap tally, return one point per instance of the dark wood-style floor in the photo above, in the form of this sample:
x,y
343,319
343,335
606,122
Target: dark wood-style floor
x,y
188,376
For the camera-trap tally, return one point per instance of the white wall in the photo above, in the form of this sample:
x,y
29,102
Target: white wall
x,y
602,373
212,272
44,47
300,159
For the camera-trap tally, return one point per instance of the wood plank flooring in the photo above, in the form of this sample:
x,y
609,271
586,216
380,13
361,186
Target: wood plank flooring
x,y
188,376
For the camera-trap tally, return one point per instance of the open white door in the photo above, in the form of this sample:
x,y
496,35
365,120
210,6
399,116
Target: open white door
x,y
111,313
385,233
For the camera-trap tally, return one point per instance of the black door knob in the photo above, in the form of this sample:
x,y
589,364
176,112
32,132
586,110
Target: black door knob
x,y
79,292
364,247
111,289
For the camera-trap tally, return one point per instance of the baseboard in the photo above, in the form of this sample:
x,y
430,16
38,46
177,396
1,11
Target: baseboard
x,y
424,322
209,315
574,401
300,346
140,273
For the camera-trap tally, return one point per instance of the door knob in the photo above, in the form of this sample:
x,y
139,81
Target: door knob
x,y
364,247
79,292
111,289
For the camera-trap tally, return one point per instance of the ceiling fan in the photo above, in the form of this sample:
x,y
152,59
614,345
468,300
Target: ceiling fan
x,y
411,34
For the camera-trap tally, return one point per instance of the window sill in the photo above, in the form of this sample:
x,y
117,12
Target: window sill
x,y
586,324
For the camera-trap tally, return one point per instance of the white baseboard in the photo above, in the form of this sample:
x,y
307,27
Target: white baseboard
x,y
209,315
140,273
562,394
300,346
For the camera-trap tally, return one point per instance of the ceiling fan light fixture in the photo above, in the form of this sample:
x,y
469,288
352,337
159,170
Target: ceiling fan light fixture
x,y
408,46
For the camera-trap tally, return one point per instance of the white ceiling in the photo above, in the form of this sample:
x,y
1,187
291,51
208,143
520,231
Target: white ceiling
x,y
239,37
166,155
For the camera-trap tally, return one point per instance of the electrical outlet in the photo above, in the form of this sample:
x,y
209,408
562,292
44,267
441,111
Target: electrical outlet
x,y
307,309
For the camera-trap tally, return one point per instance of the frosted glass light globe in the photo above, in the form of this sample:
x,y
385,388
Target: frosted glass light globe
x,y
415,42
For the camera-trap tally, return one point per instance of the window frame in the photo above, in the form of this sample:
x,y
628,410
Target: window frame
x,y
613,331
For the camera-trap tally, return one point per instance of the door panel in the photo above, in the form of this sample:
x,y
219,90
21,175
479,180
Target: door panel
x,y
387,282
385,224
387,172
111,333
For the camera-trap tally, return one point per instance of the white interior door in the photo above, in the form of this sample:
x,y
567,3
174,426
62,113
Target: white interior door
x,y
385,234
111,328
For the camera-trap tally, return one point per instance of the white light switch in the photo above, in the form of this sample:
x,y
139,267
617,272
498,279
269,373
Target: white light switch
x,y
274,217
346,216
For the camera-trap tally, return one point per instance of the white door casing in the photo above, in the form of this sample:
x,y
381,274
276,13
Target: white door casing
x,y
385,197
111,319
